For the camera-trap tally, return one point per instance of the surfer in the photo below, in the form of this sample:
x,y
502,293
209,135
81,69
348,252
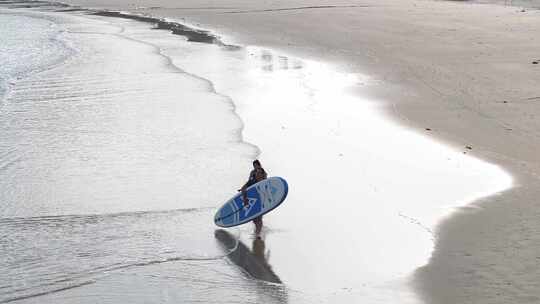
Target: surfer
x,y
256,175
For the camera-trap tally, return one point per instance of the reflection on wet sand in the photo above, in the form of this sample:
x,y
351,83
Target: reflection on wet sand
x,y
271,63
252,261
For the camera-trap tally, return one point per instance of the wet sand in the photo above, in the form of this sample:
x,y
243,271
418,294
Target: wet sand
x,y
438,66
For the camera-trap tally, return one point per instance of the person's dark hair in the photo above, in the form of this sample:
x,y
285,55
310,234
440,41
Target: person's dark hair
x,y
256,162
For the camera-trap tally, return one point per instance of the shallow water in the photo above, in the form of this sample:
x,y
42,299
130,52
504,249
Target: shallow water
x,y
96,134
113,129
37,48
46,254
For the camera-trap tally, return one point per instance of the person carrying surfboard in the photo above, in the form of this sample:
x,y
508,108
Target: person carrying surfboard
x,y
256,175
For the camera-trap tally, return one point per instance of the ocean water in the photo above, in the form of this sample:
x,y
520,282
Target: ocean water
x,y
118,117
37,49
107,155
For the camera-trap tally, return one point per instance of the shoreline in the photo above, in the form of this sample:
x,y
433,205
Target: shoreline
x,y
474,152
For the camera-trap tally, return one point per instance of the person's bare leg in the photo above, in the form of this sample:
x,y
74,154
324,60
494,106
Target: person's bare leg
x,y
258,225
245,198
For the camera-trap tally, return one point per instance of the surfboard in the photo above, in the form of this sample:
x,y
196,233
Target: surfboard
x,y
263,197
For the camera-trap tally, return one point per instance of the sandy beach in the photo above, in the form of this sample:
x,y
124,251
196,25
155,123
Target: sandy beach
x,y
440,206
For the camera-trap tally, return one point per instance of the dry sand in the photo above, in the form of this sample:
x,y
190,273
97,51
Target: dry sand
x,y
465,71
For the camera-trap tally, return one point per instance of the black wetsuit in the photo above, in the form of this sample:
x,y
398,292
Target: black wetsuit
x,y
255,176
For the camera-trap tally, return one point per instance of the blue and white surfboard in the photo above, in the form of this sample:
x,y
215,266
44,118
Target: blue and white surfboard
x,y
263,197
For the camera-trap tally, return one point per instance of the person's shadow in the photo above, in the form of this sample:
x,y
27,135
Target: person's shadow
x,y
253,261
